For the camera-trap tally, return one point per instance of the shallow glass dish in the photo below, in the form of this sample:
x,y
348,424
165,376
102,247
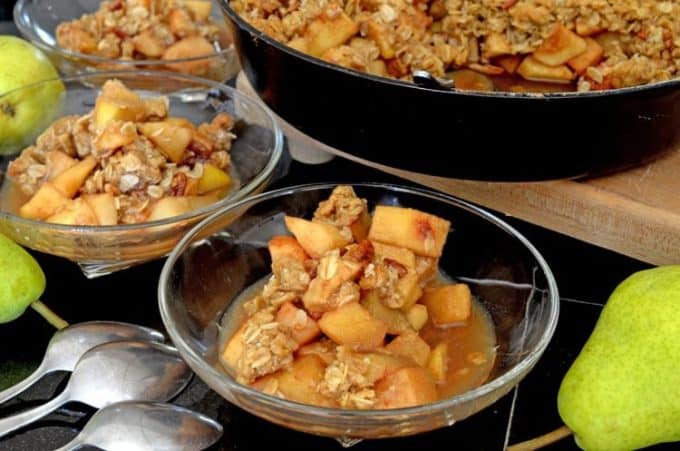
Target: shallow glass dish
x,y
102,249
221,257
37,21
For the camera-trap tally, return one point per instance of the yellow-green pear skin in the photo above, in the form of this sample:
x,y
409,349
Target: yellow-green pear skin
x,y
623,390
22,281
25,112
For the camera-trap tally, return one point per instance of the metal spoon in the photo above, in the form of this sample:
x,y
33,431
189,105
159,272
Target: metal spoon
x,y
132,426
69,344
113,372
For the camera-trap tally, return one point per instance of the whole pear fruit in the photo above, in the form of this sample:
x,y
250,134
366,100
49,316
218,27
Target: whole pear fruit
x,y
22,281
623,390
24,112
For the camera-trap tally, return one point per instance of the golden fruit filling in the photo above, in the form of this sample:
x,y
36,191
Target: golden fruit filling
x,y
147,29
509,45
357,315
125,162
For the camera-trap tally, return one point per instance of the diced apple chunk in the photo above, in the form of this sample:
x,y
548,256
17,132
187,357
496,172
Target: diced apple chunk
x,y
561,46
448,304
352,325
70,180
323,348
57,162
417,316
423,233
148,44
76,212
301,381
299,325
282,247
190,47
509,62
323,33
496,44
438,362
381,364
213,179
171,139
400,255
395,319
116,102
316,238
44,203
406,387
590,57
104,207
534,70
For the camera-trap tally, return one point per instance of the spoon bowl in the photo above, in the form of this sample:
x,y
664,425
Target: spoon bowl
x,y
68,345
114,372
133,426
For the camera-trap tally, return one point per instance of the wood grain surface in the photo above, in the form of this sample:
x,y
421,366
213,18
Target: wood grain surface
x,y
635,212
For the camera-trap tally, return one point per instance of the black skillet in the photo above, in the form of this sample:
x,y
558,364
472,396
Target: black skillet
x,y
482,136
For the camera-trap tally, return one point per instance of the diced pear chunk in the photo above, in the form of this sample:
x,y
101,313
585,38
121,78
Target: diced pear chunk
x,y
412,346
590,57
333,284
400,255
381,364
70,180
148,44
324,33
426,268
301,381
200,8
57,162
406,387
190,47
168,207
496,44
282,247
171,139
417,316
116,102
423,233
561,46
438,362
376,31
299,325
76,212
233,350
104,207
114,135
316,238
509,62
395,319
44,203
352,325
448,304
213,179
534,70
323,348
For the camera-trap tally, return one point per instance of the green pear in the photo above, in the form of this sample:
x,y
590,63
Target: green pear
x,y
22,281
623,390
25,112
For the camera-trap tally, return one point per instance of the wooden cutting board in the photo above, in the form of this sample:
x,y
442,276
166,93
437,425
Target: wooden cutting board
x,y
635,212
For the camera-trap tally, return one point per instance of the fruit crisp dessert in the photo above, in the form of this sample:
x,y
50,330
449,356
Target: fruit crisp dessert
x,y
147,29
580,44
125,162
356,314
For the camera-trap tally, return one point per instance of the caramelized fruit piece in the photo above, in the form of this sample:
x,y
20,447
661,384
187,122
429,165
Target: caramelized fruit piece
x,y
57,162
534,70
282,247
298,324
45,202
104,207
213,179
592,55
394,319
116,102
70,180
174,206
352,325
76,212
561,46
316,238
448,304
406,387
301,381
438,363
412,346
171,139
324,33
417,316
190,47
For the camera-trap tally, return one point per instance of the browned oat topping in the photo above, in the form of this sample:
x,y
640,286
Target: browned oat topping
x,y
146,29
591,44
128,159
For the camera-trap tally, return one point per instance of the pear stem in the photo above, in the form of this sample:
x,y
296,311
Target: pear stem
x,y
49,315
543,440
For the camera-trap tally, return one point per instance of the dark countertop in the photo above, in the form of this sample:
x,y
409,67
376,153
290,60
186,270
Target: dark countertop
x,y
585,275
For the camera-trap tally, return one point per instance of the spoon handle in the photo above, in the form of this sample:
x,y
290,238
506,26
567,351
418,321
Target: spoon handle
x,y
20,386
26,417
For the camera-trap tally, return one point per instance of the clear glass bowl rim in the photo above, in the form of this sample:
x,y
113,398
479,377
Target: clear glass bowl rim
x,y
28,32
373,415
277,152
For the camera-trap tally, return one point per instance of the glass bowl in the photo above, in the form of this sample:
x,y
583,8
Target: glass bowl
x,y
37,21
221,257
102,249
